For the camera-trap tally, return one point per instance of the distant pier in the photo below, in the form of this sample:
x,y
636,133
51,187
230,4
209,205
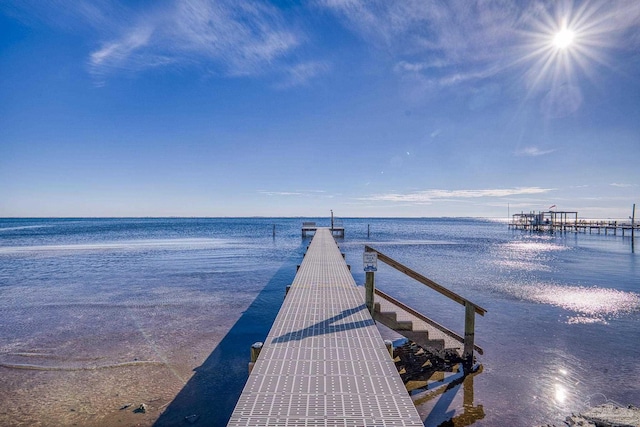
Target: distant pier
x,y
564,221
337,230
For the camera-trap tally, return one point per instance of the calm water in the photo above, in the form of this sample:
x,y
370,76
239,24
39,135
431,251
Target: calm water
x,y
97,314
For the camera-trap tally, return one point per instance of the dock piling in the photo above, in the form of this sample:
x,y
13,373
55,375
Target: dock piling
x,y
469,332
370,290
389,345
255,352
633,227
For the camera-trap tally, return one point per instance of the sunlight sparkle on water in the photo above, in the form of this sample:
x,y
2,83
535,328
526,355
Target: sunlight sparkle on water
x,y
589,304
560,394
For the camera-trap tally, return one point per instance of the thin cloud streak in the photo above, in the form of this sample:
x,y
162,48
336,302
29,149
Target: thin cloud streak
x,y
301,74
534,152
233,38
305,193
460,41
427,196
621,185
280,193
93,14
463,40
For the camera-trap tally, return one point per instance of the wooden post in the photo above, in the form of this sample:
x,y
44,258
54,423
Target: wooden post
x,y
469,332
368,234
633,220
389,345
255,352
369,290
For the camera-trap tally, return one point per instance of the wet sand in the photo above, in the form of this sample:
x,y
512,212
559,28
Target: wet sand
x,y
100,380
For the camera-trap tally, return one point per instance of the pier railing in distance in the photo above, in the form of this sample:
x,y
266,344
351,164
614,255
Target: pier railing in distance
x,y
470,308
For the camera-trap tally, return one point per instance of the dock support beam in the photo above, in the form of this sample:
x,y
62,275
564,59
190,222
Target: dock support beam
x,y
469,332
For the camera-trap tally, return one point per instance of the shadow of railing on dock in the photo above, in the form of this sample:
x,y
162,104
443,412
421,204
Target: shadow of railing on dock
x,y
327,326
211,394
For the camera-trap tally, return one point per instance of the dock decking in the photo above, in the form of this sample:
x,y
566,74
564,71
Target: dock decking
x,y
311,227
324,362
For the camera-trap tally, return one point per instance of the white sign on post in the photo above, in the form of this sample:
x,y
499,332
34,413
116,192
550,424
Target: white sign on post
x,y
370,261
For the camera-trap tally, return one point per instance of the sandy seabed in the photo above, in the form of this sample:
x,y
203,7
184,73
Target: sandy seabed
x,y
101,380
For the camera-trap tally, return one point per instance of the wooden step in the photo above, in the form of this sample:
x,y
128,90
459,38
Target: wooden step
x,y
422,339
423,331
390,320
405,328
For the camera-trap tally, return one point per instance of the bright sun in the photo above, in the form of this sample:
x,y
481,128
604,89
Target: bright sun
x,y
563,38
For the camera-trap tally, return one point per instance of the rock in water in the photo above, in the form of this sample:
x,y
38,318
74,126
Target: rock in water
x,y
610,415
191,419
578,421
141,409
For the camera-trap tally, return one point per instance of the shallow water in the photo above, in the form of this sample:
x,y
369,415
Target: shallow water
x,y
98,314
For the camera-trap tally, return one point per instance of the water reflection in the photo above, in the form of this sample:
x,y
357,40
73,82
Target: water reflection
x,y
528,263
439,400
587,304
560,393
559,386
527,255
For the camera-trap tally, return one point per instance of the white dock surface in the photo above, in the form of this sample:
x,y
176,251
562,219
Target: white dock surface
x,y
324,362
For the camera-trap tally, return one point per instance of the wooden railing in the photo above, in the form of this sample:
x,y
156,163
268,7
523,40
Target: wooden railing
x,y
425,319
470,308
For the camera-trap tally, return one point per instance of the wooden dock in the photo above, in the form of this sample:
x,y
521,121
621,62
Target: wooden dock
x,y
563,222
311,227
324,362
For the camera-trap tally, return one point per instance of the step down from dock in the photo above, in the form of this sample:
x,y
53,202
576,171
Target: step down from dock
x,y
415,326
324,362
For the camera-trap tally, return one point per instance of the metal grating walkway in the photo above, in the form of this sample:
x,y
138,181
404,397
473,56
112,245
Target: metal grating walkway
x,y
324,362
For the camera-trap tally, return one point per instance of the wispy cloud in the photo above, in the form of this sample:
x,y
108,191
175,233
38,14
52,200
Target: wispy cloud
x,y
302,73
224,37
444,43
534,152
236,38
455,41
294,193
280,193
427,196
91,14
621,185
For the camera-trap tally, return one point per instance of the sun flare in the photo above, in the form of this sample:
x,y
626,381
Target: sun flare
x,y
563,38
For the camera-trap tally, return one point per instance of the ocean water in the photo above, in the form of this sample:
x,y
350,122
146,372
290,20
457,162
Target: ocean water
x,y
100,315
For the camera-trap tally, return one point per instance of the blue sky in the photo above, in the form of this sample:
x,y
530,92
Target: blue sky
x,y
293,108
